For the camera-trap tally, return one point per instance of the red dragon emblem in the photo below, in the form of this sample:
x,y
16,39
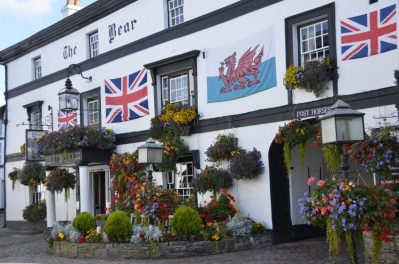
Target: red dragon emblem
x,y
247,65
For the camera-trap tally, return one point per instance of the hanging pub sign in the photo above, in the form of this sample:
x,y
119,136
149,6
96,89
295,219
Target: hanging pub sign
x,y
311,112
31,135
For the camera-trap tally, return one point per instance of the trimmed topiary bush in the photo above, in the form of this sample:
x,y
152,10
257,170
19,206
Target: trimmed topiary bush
x,y
35,212
118,227
84,222
186,222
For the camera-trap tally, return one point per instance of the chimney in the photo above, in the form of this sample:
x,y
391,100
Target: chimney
x,y
71,7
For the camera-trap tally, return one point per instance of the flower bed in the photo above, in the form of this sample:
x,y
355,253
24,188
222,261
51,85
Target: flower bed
x,y
173,249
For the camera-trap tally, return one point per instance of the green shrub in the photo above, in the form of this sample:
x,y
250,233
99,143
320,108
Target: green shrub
x,y
186,222
35,212
84,222
118,227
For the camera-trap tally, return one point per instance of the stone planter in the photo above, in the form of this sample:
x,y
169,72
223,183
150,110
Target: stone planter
x,y
173,249
389,251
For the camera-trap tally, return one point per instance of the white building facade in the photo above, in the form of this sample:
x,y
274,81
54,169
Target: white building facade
x,y
180,46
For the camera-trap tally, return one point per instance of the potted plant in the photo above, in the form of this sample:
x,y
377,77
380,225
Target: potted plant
x,y
348,207
312,77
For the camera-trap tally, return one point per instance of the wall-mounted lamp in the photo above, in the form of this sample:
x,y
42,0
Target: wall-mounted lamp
x,y
342,125
68,96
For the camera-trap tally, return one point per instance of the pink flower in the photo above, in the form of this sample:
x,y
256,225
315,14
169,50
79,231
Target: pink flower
x,y
323,211
321,183
311,180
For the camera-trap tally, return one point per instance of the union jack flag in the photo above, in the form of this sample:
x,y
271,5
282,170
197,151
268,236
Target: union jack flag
x,y
67,119
126,98
369,34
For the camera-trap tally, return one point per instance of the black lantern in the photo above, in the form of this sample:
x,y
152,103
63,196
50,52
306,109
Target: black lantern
x,y
68,96
150,153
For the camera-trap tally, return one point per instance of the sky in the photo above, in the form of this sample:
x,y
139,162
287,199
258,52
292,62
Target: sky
x,y
20,19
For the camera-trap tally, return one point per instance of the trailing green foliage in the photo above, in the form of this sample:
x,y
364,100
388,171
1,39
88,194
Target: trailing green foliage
x,y
118,227
331,154
35,212
84,222
333,241
186,222
13,176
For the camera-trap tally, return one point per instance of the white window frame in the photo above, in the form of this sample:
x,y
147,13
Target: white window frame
x,y
182,183
175,12
93,44
37,68
35,119
177,89
308,48
93,111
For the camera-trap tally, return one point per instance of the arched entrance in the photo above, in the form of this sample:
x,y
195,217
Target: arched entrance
x,y
287,187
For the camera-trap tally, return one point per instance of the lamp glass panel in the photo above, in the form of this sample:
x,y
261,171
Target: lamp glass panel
x,y
68,102
350,129
143,155
328,131
155,156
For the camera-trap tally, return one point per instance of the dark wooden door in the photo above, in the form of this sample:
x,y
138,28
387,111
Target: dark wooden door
x,y
280,195
99,192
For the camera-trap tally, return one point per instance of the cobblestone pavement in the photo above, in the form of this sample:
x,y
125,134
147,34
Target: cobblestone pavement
x,y
31,248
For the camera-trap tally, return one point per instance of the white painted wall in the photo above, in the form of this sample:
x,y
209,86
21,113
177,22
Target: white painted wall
x,y
18,198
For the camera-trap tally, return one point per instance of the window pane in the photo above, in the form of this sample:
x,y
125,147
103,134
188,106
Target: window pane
x,y
311,31
304,46
325,41
318,29
318,42
304,33
311,44
325,27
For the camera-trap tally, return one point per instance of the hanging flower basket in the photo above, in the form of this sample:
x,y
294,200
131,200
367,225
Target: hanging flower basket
x,y
313,77
174,121
212,179
225,147
32,173
378,153
60,180
295,133
246,164
14,176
